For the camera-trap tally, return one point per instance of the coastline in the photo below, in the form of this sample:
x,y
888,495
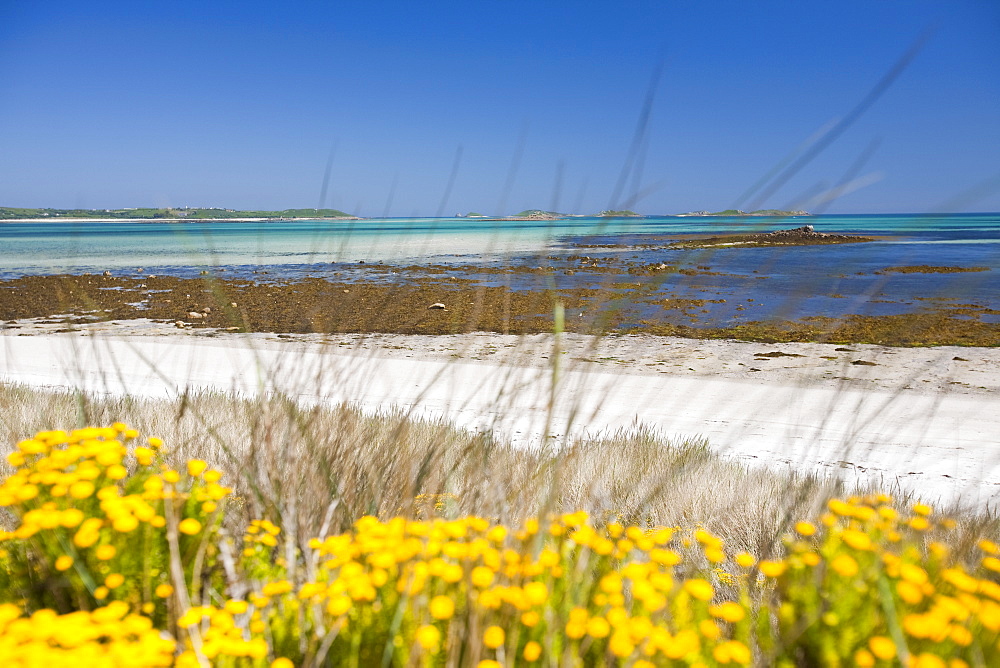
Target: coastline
x,y
171,220
918,419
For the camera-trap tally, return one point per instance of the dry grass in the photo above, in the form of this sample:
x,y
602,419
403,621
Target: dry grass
x,y
317,469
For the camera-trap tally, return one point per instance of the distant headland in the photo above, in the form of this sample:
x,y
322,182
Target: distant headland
x,y
219,213
185,213
737,212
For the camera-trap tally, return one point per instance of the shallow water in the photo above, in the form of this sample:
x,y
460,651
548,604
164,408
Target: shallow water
x,y
773,282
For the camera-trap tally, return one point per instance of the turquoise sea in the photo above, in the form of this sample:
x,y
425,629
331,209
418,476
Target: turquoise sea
x,y
823,279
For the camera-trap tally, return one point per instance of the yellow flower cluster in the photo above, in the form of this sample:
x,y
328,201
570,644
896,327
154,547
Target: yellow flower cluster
x,y
615,592
262,532
220,634
100,518
92,505
878,560
107,636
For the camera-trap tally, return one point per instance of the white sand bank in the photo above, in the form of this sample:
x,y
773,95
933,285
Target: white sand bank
x,y
917,418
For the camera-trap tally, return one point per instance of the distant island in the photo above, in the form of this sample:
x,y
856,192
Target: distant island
x,y
737,212
219,213
538,214
185,213
541,214
624,213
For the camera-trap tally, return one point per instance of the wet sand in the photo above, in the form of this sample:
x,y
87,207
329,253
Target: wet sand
x,y
625,303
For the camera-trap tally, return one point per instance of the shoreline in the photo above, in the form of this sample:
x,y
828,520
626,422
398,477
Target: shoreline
x,y
173,220
915,418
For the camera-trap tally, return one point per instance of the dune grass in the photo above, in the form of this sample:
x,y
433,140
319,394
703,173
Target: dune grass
x,y
397,542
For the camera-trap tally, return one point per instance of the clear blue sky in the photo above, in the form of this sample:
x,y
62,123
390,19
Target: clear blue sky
x,y
238,104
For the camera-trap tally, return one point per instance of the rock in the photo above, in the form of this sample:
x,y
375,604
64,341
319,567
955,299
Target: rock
x,y
207,310
107,273
437,305
203,272
139,270
195,315
232,304
180,324
863,363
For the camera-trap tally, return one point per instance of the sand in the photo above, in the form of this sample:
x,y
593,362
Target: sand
x,y
921,419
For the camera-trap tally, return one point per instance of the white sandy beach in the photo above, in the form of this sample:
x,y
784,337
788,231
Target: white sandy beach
x,y
923,419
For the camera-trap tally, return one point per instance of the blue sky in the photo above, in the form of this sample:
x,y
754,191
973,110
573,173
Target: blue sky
x,y
240,104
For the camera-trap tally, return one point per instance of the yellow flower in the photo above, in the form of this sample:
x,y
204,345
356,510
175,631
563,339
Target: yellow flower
x,y
960,636
598,627
709,629
114,581
105,552
927,660
196,467
859,540
338,605
621,644
805,528
909,592
282,662
441,607
772,569
428,637
845,566
882,647
124,524
532,651
745,560
715,555
913,573
276,588
493,637
864,659
729,611
488,663
699,589
922,509
732,651
163,591
482,577
536,592
101,593
189,526
81,489
989,547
